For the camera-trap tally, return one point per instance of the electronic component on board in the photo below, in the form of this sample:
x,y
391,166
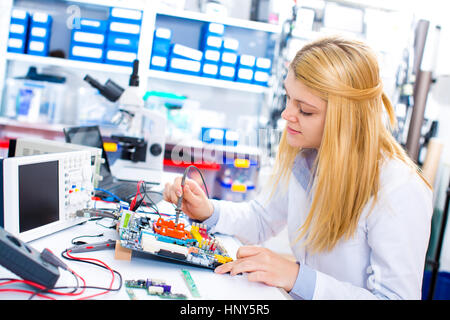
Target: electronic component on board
x,y
147,234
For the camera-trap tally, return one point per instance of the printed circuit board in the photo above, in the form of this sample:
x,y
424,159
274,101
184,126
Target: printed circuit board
x,y
191,244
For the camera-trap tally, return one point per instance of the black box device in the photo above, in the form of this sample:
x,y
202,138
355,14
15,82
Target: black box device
x,y
25,261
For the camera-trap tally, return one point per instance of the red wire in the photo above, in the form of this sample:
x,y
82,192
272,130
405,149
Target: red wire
x,y
98,261
138,192
26,291
34,284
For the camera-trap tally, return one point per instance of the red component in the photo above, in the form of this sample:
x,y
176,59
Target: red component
x,y
203,165
169,229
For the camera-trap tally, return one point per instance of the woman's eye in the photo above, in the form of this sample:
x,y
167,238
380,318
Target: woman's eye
x,y
305,113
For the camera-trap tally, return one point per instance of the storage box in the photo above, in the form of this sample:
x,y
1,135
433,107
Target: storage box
x,y
158,63
230,44
227,73
261,78
122,43
41,19
124,15
229,59
124,29
185,66
121,58
263,64
219,136
92,25
212,135
236,179
18,31
39,34
87,39
211,42
37,47
161,41
20,16
210,70
213,29
84,53
244,75
211,56
184,52
234,192
16,45
247,61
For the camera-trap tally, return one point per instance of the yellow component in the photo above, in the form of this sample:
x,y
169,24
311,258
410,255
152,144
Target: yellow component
x,y
196,235
241,163
76,190
110,146
238,187
222,259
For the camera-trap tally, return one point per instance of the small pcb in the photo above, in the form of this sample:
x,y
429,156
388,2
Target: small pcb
x,y
153,287
190,283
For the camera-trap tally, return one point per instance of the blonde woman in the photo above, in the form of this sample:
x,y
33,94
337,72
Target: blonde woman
x,y
357,209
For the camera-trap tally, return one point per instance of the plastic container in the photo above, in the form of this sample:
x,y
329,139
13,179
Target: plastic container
x,y
237,179
34,101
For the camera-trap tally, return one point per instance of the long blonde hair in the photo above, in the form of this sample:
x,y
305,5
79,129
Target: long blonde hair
x,y
356,137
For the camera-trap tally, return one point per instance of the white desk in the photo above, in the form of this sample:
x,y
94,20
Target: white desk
x,y
210,285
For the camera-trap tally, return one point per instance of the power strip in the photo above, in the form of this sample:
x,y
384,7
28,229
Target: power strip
x,y
25,261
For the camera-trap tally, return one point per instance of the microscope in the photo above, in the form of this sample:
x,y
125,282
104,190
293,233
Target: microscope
x,y
141,134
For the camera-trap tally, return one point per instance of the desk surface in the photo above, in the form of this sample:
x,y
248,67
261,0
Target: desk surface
x,y
210,285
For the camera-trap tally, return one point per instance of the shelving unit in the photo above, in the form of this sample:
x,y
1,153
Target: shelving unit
x,y
217,83
245,24
67,63
149,78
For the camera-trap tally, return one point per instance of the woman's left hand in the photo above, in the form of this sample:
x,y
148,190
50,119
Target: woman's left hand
x,y
262,265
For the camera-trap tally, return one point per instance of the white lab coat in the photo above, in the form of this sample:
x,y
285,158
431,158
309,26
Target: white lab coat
x,y
386,257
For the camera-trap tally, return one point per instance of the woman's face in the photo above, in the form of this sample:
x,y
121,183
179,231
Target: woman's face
x,y
305,114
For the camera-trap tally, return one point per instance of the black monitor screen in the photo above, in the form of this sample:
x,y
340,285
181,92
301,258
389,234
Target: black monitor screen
x,y
38,195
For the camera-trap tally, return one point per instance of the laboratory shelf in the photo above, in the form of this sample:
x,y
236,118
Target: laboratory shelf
x,y
235,22
210,82
68,63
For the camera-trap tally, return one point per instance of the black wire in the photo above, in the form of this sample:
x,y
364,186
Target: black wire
x,y
75,288
86,236
99,265
201,176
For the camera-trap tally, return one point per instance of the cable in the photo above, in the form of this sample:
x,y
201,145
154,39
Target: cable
x,y
41,289
65,254
183,181
87,236
110,193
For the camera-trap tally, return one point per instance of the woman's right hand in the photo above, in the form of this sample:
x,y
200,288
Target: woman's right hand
x,y
195,203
